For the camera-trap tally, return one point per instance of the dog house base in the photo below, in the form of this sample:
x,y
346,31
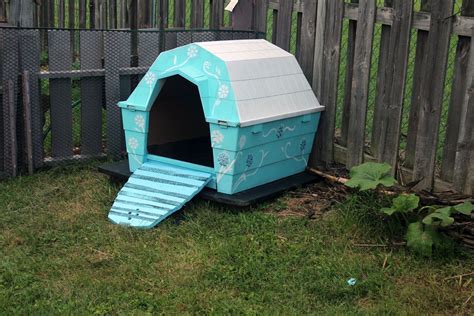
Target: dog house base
x,y
119,172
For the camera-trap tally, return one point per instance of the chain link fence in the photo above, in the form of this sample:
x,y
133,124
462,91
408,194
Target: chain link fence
x,y
76,79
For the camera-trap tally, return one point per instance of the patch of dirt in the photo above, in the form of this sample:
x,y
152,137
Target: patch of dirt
x,y
311,201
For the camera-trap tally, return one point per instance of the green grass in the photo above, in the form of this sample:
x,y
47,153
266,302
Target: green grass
x,y
60,255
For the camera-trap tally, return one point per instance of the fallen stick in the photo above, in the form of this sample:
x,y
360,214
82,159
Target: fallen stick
x,y
459,275
395,244
329,177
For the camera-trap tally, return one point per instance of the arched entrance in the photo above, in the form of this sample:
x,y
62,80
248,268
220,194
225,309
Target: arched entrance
x,y
178,128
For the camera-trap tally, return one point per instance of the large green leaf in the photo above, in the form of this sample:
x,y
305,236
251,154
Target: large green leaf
x,y
370,175
465,208
402,204
419,239
441,217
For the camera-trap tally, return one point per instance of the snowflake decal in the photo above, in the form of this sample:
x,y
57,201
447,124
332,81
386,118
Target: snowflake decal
x,y
217,137
133,143
223,91
279,132
140,121
149,78
223,159
242,141
192,51
249,161
303,145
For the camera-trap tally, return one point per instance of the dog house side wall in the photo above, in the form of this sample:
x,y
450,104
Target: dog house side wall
x,y
251,156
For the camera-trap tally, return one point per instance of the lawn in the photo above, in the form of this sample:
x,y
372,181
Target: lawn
x,y
59,254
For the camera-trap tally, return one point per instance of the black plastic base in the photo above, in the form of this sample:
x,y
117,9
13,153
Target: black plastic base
x,y
119,171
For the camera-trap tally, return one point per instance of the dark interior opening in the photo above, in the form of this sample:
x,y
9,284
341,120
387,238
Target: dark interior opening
x,y
178,128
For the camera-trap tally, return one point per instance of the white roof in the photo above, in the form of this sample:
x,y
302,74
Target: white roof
x,y
267,81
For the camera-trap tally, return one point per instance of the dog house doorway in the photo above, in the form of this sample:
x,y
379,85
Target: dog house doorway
x,y
178,128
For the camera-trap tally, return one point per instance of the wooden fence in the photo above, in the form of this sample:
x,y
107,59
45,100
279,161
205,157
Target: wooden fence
x,y
112,14
318,33
414,90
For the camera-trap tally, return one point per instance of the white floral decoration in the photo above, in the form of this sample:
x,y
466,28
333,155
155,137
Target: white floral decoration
x,y
217,137
133,143
140,121
242,141
192,51
149,78
223,91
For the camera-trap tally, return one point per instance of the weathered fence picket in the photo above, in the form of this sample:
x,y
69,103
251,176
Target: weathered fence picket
x,y
360,82
464,160
305,45
330,72
29,61
116,56
431,97
421,51
91,94
459,88
60,94
387,136
346,108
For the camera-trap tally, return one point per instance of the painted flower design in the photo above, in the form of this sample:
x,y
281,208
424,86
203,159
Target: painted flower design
x,y
217,137
242,141
303,145
223,91
249,161
133,143
140,121
223,159
149,78
279,132
192,51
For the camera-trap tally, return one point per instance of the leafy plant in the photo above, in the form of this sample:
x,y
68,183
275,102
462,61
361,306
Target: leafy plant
x,y
402,204
370,175
422,223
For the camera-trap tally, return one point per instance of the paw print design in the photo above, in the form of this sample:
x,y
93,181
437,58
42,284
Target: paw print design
x,y
249,161
303,145
279,132
223,159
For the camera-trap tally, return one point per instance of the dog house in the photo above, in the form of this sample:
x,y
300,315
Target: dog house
x,y
229,115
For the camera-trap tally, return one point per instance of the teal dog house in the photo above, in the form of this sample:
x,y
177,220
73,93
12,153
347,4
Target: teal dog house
x,y
228,115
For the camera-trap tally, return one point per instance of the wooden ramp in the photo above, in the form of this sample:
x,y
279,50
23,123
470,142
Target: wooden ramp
x,y
155,191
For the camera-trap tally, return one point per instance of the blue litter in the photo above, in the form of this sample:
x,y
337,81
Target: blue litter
x,y
351,281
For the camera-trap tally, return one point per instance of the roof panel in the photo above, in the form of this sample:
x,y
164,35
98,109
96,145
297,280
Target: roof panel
x,y
270,86
255,111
